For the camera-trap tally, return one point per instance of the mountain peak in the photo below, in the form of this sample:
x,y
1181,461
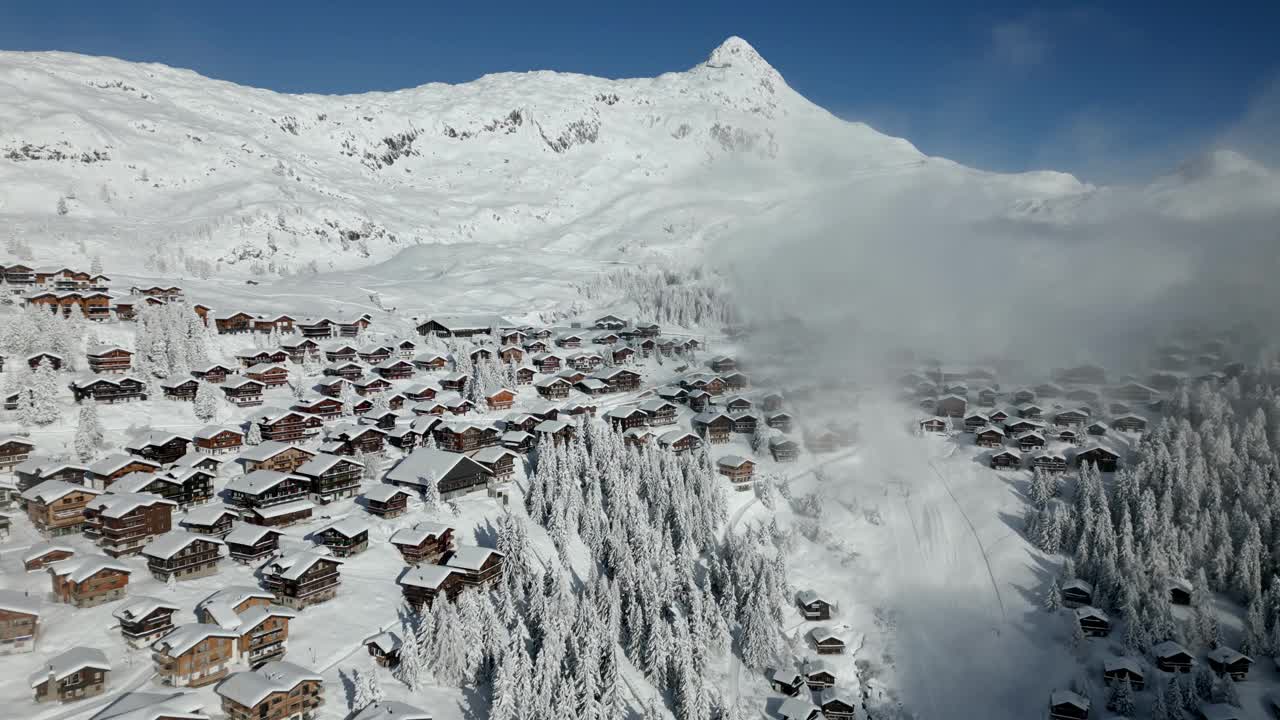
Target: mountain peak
x,y
738,53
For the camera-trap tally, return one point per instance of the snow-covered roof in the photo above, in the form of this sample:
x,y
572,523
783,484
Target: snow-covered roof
x,y
248,534
322,463
386,642
807,597
822,633
252,687
288,508
117,505
294,565
240,381
1122,663
1091,612
733,461
794,708
391,710
113,463
470,557
71,661
173,542
208,432
1227,656
1066,697
154,706
672,436
138,607
418,533
348,527
256,482
1168,648
81,568
51,490
430,577
18,602
207,515
40,550
383,493
491,454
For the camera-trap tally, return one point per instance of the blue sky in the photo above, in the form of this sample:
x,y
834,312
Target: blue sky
x,y
1111,92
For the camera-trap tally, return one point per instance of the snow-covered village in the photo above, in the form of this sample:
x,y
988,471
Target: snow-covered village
x,y
676,397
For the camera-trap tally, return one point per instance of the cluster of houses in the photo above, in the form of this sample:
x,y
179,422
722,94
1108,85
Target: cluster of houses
x,y
813,690
1020,436
1166,657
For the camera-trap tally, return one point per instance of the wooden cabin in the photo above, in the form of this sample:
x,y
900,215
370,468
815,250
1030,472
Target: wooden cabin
x,y
275,456
269,374
74,674
1129,423
89,580
794,708
194,655
384,648
214,374
249,544
386,501
739,470
302,579
331,477
217,440
243,392
1066,705
57,508
425,542
182,390
122,523
783,449
1172,657
1093,622
1077,593
109,359
345,538
825,641
1102,458
1005,459
422,584
478,566
1124,669
109,390
713,427
837,704
813,606
181,555
14,451
19,622
989,437
787,682
1228,661
144,619
500,400
212,520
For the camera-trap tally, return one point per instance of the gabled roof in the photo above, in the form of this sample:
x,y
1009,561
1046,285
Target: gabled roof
x,y
348,527
383,493
154,706
113,463
1123,663
69,662
268,449
323,463
294,565
80,568
430,577
119,504
470,557
733,461
1066,697
208,432
248,533
425,462
418,533
185,637
1169,648
50,490
256,482
17,602
138,607
173,542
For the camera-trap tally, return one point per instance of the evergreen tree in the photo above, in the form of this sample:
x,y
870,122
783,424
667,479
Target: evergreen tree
x,y
254,435
42,406
410,670
429,487
361,698
208,401
1053,598
89,434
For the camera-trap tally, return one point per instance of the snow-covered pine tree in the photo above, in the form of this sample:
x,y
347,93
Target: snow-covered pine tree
x,y
360,698
254,434
43,403
410,670
429,488
89,433
1121,700
207,402
1053,598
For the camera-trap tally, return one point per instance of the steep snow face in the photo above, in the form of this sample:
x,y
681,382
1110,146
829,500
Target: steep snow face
x,y
192,175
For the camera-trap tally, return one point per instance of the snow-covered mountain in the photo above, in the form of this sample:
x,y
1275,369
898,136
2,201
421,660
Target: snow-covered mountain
x,y
100,155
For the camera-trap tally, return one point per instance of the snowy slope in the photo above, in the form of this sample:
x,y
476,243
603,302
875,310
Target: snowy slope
x,y
101,155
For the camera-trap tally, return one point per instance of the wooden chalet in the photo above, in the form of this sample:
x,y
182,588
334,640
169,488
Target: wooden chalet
x,y
934,426
89,580
217,440
1049,462
143,620
384,648
425,542
1093,622
271,499
1129,423
989,437
1005,459
109,359
243,392
347,537
461,326
103,473
75,674
194,655
249,544
518,441
251,358
302,579
370,386
331,477
553,388
619,379
386,501
269,374
116,389
1136,392
1124,669
181,555
1228,661
973,421
374,354
56,507
659,412
299,349
277,690
557,431
825,641
122,523
740,471
837,704
1102,458
1066,705
1172,657
787,682
499,461
91,304
421,584
501,399
14,451
212,520
42,555
624,418
394,369
181,389
454,473
460,437
783,449
350,439
430,361
275,456
794,708
813,606
1030,441
713,427
215,374
478,566
1180,591
159,447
